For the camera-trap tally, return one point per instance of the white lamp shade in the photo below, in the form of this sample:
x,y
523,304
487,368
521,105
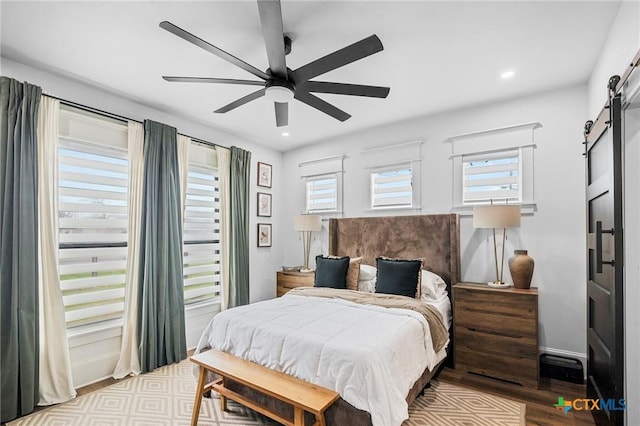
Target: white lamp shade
x,y
307,222
496,216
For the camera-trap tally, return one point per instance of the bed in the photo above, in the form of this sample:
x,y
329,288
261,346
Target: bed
x,y
249,331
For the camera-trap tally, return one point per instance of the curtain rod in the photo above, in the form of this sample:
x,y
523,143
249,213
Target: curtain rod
x,y
123,118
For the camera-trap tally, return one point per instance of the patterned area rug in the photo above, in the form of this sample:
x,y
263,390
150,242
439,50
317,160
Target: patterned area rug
x,y
165,397
447,405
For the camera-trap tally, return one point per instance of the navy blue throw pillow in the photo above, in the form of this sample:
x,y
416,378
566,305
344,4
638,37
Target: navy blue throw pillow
x,y
398,276
331,272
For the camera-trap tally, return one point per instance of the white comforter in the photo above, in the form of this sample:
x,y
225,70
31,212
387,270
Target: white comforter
x,y
371,355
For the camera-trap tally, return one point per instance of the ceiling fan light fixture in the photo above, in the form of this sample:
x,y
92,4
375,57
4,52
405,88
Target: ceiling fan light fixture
x,y
279,91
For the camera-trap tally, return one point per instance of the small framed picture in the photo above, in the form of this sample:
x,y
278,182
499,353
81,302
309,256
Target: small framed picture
x,y
264,175
264,204
264,235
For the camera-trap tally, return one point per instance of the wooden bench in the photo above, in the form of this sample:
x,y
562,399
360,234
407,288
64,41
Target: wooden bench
x,y
303,396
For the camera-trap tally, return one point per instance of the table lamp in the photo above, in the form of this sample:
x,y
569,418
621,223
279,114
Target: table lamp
x,y
306,224
495,217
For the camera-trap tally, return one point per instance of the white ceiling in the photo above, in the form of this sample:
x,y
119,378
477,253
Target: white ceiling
x,y
437,55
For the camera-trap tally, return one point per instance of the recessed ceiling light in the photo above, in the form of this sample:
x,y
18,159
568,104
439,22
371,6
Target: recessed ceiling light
x,y
285,133
507,74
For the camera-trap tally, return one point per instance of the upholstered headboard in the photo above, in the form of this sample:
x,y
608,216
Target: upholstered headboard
x,y
435,238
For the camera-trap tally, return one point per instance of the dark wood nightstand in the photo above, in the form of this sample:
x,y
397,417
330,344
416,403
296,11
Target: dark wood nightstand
x,y
496,332
287,280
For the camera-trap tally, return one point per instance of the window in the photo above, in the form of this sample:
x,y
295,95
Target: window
x,y
494,176
202,227
322,184
394,184
494,164
92,196
322,193
392,187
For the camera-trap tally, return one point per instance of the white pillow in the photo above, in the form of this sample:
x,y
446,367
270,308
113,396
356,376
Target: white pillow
x,y
367,285
433,287
367,272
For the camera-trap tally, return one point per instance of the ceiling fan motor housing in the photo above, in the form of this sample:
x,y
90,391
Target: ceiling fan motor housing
x,y
287,45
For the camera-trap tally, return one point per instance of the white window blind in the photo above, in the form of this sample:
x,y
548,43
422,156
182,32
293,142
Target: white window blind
x,y
394,175
322,193
92,196
392,186
494,164
492,176
202,227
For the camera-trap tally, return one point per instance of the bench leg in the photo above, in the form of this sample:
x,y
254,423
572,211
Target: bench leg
x,y
320,419
298,416
223,399
199,391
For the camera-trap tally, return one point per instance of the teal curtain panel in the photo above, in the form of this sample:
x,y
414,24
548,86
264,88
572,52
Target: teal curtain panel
x,y
161,327
18,248
239,244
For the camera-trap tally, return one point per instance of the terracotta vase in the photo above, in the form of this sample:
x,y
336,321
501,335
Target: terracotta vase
x,y
521,267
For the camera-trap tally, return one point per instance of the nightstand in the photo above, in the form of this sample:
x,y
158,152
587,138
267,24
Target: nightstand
x,y
287,280
496,332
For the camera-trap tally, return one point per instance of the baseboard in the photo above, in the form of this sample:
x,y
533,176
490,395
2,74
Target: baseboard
x,y
560,352
94,369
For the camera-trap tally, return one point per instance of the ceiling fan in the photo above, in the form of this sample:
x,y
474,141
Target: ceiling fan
x,y
280,83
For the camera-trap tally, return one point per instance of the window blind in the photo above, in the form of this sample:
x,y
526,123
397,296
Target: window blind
x,y
202,233
392,187
322,193
492,176
92,197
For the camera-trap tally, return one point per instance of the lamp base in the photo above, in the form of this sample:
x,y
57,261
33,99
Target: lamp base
x,y
498,284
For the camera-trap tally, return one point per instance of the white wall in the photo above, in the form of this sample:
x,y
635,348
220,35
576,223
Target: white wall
x,y
95,352
554,234
621,46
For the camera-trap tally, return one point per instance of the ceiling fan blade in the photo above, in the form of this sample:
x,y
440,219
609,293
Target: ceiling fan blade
x,y
319,104
345,89
271,20
212,49
239,102
212,80
337,59
282,113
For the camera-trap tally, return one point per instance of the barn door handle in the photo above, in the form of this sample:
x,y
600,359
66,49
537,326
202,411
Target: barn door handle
x,y
599,261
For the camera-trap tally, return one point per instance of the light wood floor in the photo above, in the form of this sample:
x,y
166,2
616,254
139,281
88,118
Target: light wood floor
x,y
540,409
